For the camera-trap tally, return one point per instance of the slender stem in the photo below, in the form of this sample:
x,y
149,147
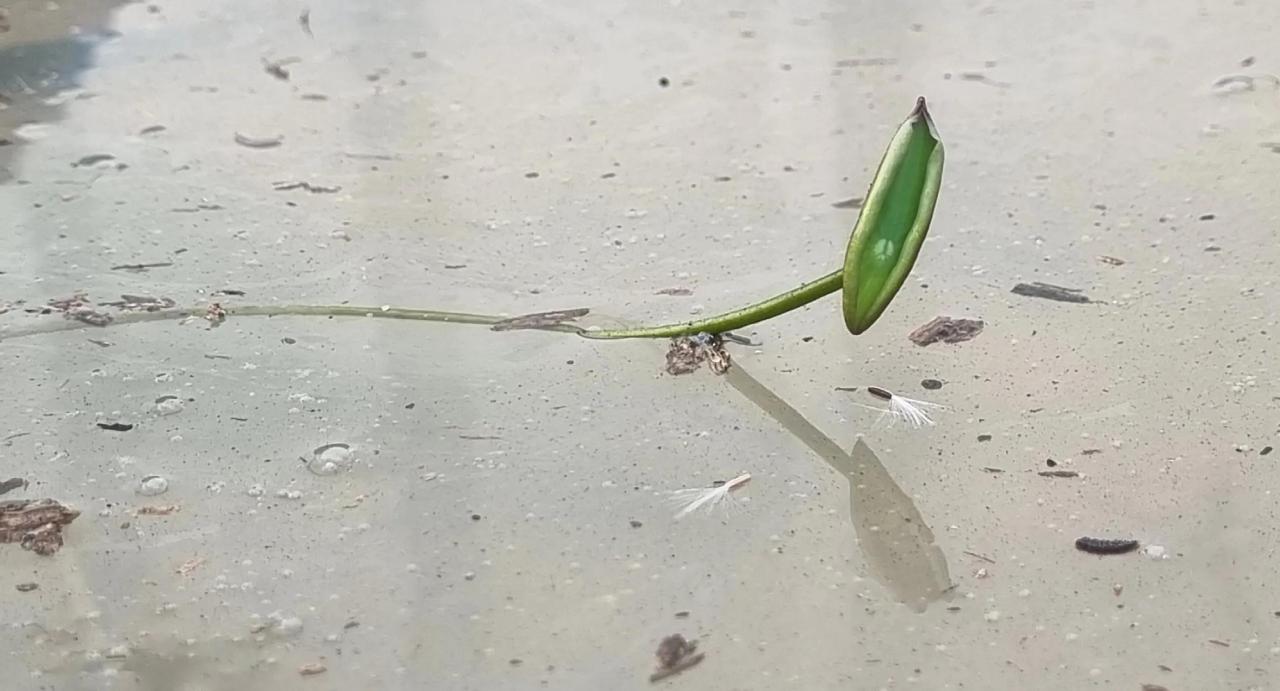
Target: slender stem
x,y
49,325
751,314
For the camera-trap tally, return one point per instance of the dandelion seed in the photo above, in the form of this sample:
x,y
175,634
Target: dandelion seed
x,y
707,498
910,410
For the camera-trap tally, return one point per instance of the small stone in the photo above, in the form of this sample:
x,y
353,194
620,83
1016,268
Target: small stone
x,y
984,437
635,523
931,384
993,615
26,587
470,575
1117,589
311,669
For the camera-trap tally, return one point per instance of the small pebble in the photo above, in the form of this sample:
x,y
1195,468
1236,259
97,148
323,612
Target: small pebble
x,y
26,587
931,384
993,615
1155,552
312,669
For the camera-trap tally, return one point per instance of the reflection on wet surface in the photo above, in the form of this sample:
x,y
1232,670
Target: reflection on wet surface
x,y
43,51
895,539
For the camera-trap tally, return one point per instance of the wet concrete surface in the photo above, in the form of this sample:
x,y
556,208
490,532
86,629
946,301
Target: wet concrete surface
x,y
499,518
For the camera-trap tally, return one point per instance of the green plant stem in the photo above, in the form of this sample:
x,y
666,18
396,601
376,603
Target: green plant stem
x,y
49,325
736,319
746,316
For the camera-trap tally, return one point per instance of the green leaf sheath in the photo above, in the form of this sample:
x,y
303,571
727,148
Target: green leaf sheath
x,y
779,304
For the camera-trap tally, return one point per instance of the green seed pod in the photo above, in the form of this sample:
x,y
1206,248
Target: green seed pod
x,y
894,220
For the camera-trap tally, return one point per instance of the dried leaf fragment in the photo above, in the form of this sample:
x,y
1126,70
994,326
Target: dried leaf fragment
x,y
946,330
36,524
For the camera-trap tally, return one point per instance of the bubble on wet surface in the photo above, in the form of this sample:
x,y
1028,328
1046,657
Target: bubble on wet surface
x,y
286,627
169,405
330,459
1155,552
153,485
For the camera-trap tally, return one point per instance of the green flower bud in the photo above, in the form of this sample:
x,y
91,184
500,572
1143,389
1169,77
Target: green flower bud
x,y
894,220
